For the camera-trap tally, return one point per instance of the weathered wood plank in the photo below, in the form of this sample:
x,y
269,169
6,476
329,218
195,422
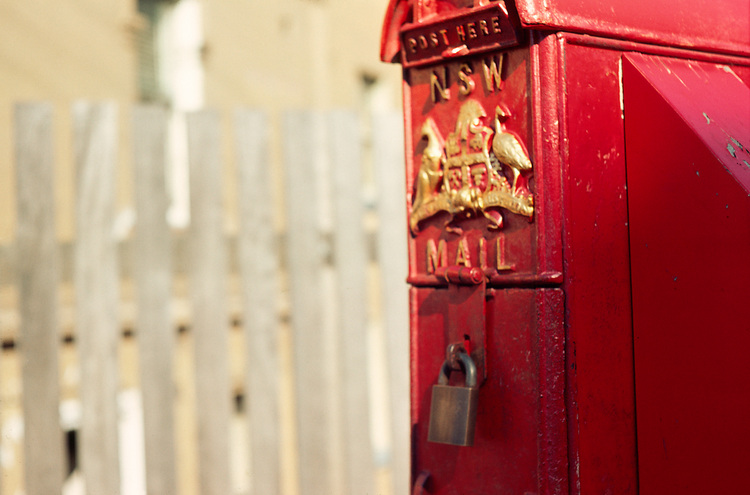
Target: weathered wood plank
x,y
38,278
352,311
392,259
315,395
208,296
97,294
153,278
259,270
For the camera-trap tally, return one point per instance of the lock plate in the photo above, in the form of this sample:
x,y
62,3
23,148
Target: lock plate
x,y
465,322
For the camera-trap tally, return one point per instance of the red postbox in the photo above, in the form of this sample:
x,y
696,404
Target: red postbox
x,y
578,206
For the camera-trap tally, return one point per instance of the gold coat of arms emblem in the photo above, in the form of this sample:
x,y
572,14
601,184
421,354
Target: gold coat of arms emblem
x,y
474,170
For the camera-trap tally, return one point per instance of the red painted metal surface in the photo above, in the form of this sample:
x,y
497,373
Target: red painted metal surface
x,y
557,321
597,275
517,444
601,388
718,26
687,132
521,438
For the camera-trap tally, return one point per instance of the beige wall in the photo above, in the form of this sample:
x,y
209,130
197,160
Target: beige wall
x,y
272,54
294,53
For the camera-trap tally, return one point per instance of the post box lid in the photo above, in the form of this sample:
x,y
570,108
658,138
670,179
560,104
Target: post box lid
x,y
716,26
719,25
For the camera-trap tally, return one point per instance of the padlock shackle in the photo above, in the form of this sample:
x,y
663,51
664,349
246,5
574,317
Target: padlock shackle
x,y
470,370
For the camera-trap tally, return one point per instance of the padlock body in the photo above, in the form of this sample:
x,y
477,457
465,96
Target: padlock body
x,y
453,415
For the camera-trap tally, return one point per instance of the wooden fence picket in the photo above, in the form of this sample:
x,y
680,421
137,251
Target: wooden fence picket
x,y
97,293
210,325
259,271
305,250
350,260
153,279
38,279
388,159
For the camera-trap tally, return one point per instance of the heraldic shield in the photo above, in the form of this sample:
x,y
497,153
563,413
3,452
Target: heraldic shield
x,y
467,173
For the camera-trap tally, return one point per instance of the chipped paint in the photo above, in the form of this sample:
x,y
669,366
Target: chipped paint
x,y
622,93
708,120
731,150
737,143
746,164
679,79
729,70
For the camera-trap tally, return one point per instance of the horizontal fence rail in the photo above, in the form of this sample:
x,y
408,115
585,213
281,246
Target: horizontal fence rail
x,y
270,356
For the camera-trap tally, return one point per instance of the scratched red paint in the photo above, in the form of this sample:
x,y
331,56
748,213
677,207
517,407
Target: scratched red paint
x,y
689,273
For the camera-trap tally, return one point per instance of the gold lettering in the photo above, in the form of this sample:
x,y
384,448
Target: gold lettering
x,y
412,45
483,27
434,40
436,255
496,25
492,69
439,88
461,34
472,30
466,84
444,33
502,263
422,42
482,253
462,254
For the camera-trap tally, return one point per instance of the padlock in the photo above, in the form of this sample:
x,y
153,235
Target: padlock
x,y
453,410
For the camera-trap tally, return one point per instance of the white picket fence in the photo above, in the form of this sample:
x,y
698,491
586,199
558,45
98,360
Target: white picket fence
x,y
318,309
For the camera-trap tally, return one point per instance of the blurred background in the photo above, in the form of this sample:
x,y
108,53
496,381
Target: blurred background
x,y
202,249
